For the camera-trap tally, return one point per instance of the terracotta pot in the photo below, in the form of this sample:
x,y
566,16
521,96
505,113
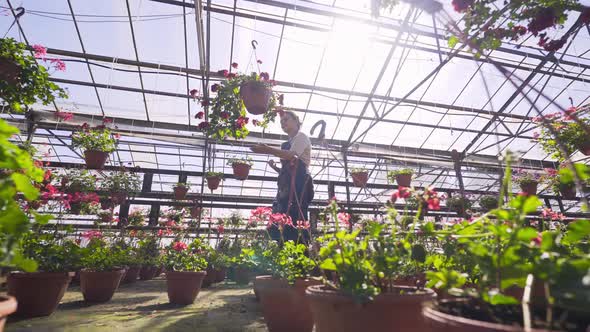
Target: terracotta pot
x,y
148,272
529,188
220,274
241,171
584,148
183,287
180,192
100,286
256,97
37,293
10,71
7,307
95,159
360,179
118,198
438,321
284,306
131,275
209,278
242,276
335,312
213,182
404,180
75,277
195,211
568,192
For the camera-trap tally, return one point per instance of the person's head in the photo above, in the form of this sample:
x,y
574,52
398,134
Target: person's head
x,y
290,123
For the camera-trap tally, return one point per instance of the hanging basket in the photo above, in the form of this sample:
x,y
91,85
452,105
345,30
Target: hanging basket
x,y
195,211
95,159
256,97
241,171
529,188
403,180
568,192
584,147
360,179
180,192
213,182
9,71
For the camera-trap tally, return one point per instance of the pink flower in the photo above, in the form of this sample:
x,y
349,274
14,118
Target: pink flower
x,y
537,241
58,64
344,218
303,224
461,5
223,72
234,65
205,103
179,246
66,116
264,76
402,192
220,229
242,121
40,51
279,219
107,120
200,115
230,76
92,235
203,125
214,87
117,136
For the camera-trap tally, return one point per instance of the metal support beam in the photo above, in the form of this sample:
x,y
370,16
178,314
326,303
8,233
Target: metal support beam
x,y
146,185
457,164
154,214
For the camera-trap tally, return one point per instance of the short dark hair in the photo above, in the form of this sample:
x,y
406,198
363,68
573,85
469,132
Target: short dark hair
x,y
293,116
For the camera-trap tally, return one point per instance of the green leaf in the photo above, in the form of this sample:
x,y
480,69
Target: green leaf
x,y
531,204
453,40
328,264
577,230
23,184
42,219
527,234
499,298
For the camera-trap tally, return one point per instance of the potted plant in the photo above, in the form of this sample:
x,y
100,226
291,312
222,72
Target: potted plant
x,y
403,177
360,176
243,264
366,268
217,265
130,259
241,167
213,179
488,202
105,216
180,190
39,293
185,269
102,271
571,127
149,254
525,280
96,142
120,185
195,210
80,188
136,217
562,182
282,293
528,181
23,82
236,94
459,204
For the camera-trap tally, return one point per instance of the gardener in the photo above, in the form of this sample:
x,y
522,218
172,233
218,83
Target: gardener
x,y
295,185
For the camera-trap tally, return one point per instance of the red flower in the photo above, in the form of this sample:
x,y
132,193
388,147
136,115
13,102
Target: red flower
x,y
223,72
205,103
264,76
230,76
224,115
255,122
553,45
203,125
107,120
234,65
461,5
214,87
220,229
344,218
40,51
92,235
279,219
200,115
47,175
194,93
402,192
66,116
259,62
179,246
58,64
544,19
242,121
537,241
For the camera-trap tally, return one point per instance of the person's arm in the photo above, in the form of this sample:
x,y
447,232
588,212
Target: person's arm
x,y
274,166
283,154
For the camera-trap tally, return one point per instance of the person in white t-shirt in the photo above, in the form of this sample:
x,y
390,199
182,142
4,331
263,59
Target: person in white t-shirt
x,y
295,157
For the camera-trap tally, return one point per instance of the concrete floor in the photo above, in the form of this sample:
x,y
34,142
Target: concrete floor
x,y
144,306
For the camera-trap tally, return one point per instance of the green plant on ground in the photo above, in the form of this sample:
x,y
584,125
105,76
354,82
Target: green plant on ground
x,y
95,139
290,262
51,253
245,259
148,249
98,256
179,256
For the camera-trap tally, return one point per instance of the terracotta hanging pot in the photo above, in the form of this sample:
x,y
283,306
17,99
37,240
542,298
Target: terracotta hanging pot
x,y
241,171
7,307
529,188
195,211
183,287
180,192
148,272
10,71
360,179
403,180
568,192
256,97
100,286
284,306
131,275
399,310
437,321
37,293
213,182
95,159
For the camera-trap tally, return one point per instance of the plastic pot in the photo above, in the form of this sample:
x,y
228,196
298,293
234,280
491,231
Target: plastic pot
x,y
284,306
213,182
241,171
529,188
100,286
7,307
180,192
95,159
256,97
131,275
183,287
360,179
404,180
148,272
399,310
37,293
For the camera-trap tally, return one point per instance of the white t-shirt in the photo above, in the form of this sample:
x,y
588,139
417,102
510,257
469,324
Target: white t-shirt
x,y
301,145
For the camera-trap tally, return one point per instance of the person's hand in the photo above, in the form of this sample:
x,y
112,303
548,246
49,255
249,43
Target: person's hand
x,y
260,148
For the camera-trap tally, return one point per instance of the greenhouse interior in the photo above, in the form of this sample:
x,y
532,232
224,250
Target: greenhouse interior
x,y
295,165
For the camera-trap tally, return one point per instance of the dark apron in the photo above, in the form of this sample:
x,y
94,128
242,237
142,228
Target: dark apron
x,y
292,202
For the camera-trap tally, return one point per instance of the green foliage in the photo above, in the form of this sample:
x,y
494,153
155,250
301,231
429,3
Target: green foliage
x,y
217,260
289,262
488,202
404,171
149,251
228,113
78,180
214,174
246,259
94,139
182,185
98,256
188,258
121,181
18,175
136,217
243,161
356,170
52,253
571,134
455,203
33,84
